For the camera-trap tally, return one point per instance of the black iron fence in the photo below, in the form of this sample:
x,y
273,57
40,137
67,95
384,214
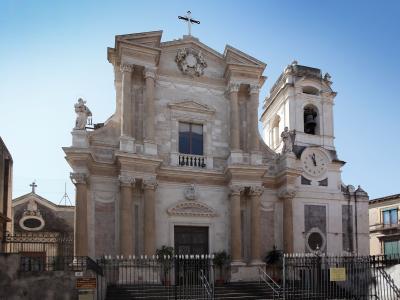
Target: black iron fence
x,y
39,244
176,277
310,276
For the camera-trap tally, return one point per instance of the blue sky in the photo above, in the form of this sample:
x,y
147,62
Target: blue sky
x,y
53,52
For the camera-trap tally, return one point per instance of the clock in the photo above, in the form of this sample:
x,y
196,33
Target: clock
x,y
314,162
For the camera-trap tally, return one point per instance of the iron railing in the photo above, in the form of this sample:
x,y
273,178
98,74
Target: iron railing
x,y
44,243
270,283
310,276
177,277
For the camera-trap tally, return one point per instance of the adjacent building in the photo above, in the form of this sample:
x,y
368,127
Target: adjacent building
x,y
41,227
6,165
181,162
384,225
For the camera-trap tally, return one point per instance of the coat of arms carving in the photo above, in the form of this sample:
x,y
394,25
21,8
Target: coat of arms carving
x,y
190,62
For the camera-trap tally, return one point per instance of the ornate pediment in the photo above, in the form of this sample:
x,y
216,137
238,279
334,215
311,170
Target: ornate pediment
x,y
189,105
235,56
191,209
149,39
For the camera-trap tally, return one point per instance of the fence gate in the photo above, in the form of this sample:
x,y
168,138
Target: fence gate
x,y
179,277
310,276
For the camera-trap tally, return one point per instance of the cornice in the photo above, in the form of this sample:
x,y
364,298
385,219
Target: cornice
x,y
184,175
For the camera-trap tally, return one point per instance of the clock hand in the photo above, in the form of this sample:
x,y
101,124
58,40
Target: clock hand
x,y
313,159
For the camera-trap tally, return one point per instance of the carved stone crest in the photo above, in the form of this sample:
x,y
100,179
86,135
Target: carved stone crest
x,y
190,192
190,62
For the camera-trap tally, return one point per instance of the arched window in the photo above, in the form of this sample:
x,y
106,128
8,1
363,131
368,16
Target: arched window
x,y
310,90
310,120
275,132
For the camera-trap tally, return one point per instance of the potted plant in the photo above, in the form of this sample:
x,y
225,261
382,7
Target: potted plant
x,y
164,257
273,261
220,260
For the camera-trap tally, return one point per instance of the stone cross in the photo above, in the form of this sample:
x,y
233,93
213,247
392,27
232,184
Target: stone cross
x,y
33,185
189,21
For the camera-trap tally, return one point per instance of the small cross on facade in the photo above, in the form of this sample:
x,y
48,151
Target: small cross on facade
x,y
189,20
33,185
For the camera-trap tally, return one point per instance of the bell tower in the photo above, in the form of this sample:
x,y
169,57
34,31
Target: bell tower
x,y
302,100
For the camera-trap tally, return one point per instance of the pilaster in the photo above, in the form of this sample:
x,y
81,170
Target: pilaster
x,y
127,141
149,187
81,222
236,225
125,214
255,198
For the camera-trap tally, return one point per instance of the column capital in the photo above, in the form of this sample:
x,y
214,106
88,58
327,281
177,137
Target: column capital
x,y
150,72
126,68
233,87
256,190
236,189
287,192
126,180
149,184
78,178
254,89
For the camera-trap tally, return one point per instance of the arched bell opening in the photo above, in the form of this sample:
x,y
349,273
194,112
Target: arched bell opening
x,y
311,120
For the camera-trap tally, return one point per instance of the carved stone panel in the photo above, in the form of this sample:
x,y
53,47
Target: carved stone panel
x,y
190,62
191,209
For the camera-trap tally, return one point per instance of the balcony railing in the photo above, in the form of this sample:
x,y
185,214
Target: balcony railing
x,y
382,226
190,160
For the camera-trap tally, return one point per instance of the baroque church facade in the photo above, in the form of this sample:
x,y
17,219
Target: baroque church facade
x,y
181,161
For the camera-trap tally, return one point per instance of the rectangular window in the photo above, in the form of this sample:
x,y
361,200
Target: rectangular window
x,y
190,138
391,247
390,216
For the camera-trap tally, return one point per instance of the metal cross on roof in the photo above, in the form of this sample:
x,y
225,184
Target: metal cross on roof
x,y
33,185
189,21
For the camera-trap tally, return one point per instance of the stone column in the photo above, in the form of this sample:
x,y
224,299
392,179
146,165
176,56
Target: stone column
x,y
149,186
150,75
125,216
255,198
236,225
81,222
127,123
287,195
253,122
233,94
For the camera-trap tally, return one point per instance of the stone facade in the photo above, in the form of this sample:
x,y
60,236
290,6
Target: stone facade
x,y
134,187
384,225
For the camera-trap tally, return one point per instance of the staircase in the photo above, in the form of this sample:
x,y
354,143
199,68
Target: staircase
x,y
231,291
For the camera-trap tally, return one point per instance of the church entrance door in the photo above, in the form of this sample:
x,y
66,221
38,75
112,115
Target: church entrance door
x,y
191,240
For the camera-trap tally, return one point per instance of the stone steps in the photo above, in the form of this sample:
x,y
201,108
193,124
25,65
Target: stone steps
x,y
231,291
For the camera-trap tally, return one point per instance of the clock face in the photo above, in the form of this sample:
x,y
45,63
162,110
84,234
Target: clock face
x,y
315,162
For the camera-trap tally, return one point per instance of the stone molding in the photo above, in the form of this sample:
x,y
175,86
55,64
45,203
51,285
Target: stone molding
x,y
256,190
236,189
126,68
78,178
254,89
192,209
149,184
150,72
233,87
126,180
287,192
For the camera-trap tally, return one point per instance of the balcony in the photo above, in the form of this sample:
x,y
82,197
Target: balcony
x,y
191,161
384,227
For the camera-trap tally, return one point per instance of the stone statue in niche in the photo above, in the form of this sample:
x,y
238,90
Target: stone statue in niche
x,y
190,192
190,62
288,138
82,115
